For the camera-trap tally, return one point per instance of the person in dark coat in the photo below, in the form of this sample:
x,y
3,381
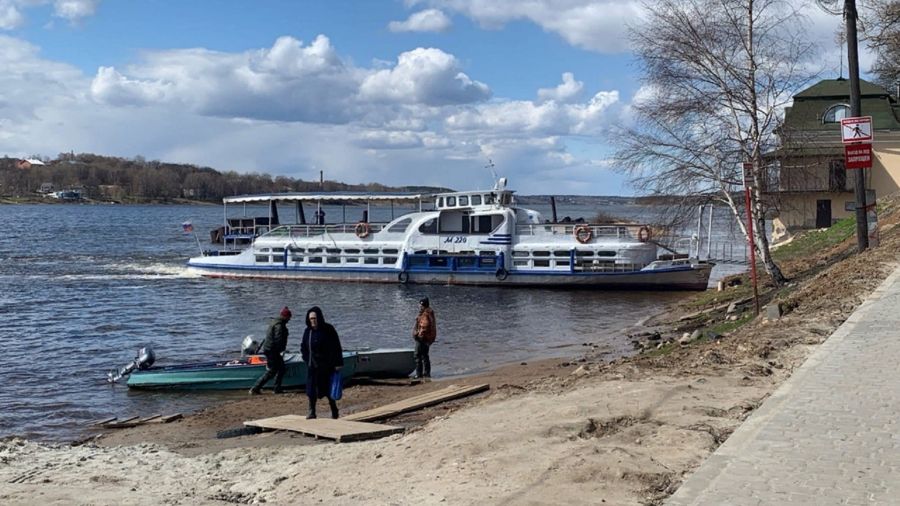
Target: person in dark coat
x,y
424,333
322,352
272,347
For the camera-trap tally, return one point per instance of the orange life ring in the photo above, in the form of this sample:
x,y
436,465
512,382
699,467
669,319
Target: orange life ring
x,y
644,234
362,230
583,234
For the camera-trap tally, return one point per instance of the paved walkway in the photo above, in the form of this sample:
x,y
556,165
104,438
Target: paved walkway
x,y
830,434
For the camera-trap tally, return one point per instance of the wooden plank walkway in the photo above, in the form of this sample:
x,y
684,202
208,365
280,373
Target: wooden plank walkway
x,y
134,421
341,430
418,402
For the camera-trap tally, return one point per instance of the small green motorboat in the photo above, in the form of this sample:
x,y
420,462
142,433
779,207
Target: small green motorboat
x,y
234,374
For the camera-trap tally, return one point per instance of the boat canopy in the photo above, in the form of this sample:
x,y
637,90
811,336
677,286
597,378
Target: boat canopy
x,y
325,197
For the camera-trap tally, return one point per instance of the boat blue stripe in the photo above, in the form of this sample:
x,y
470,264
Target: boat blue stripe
x,y
395,270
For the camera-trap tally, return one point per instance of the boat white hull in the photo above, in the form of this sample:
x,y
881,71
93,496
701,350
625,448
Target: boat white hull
x,y
677,278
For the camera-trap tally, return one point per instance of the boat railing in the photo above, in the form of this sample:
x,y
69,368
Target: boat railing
x,y
612,231
317,230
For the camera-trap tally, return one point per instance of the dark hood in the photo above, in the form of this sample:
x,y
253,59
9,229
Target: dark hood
x,y
319,316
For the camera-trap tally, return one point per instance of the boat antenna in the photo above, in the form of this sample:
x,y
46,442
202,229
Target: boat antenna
x,y
490,166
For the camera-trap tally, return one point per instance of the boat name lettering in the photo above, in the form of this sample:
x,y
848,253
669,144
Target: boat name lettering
x,y
455,239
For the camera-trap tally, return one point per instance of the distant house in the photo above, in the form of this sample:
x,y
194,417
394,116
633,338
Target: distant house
x,y
807,180
70,194
46,188
28,163
111,191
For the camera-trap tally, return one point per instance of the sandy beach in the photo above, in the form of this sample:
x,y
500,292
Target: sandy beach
x,y
582,430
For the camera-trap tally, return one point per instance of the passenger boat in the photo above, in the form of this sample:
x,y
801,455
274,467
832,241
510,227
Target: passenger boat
x,y
465,238
238,374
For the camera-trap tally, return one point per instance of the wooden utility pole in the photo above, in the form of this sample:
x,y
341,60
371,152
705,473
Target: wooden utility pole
x,y
862,226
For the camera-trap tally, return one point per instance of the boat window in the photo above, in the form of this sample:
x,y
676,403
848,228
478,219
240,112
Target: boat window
x,y
542,263
315,250
334,260
487,253
263,250
439,252
390,260
519,253
561,253
352,260
562,263
488,261
370,260
429,227
297,250
277,250
541,253
389,251
400,226
520,263
451,201
454,222
464,201
506,198
315,260
437,262
490,198
584,253
351,251
297,258
476,200
371,251
421,252
262,258
466,263
485,224
606,253
440,202
333,251
467,252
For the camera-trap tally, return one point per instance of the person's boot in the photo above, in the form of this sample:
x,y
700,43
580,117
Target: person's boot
x,y
334,408
311,414
254,391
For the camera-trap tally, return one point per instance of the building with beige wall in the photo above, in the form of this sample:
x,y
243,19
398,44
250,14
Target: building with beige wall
x,y
807,183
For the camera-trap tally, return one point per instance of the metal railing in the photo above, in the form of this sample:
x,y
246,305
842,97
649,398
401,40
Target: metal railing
x,y
598,231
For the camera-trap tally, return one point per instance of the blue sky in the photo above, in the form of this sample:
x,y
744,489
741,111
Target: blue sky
x,y
390,91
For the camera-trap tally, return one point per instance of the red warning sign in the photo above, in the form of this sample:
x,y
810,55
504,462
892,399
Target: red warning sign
x,y
858,156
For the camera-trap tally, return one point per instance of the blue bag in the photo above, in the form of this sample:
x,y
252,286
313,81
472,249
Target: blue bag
x,y
337,386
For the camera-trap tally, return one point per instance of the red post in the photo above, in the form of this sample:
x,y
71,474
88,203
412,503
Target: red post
x,y
752,249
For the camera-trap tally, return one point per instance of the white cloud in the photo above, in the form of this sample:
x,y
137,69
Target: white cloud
x,y
427,76
429,20
216,109
74,10
569,90
596,25
10,16
548,118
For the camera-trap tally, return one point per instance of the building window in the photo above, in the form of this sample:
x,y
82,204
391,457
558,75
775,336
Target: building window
x,y
836,113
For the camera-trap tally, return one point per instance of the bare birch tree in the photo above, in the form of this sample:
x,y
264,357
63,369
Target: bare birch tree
x,y
881,32
717,75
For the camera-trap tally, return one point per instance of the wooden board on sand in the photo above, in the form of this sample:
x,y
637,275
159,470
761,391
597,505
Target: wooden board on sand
x,y
418,402
341,430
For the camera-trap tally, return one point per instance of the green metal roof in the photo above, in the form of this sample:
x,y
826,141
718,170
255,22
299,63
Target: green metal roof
x,y
811,104
840,88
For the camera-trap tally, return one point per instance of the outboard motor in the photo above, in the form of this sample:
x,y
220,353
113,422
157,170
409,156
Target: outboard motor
x,y
144,360
249,346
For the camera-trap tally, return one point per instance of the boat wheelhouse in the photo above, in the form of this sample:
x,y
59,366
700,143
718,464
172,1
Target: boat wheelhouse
x,y
467,238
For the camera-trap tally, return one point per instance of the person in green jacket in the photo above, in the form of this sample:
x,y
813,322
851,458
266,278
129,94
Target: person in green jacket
x,y
272,347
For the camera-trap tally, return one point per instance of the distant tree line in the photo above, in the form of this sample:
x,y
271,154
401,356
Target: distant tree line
x,y
138,180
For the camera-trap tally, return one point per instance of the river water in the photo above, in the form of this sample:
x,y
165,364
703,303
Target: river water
x,y
82,287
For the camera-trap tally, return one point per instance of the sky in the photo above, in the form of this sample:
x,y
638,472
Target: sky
x,y
399,92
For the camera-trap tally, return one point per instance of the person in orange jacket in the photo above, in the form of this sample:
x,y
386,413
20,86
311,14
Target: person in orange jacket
x,y
424,333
